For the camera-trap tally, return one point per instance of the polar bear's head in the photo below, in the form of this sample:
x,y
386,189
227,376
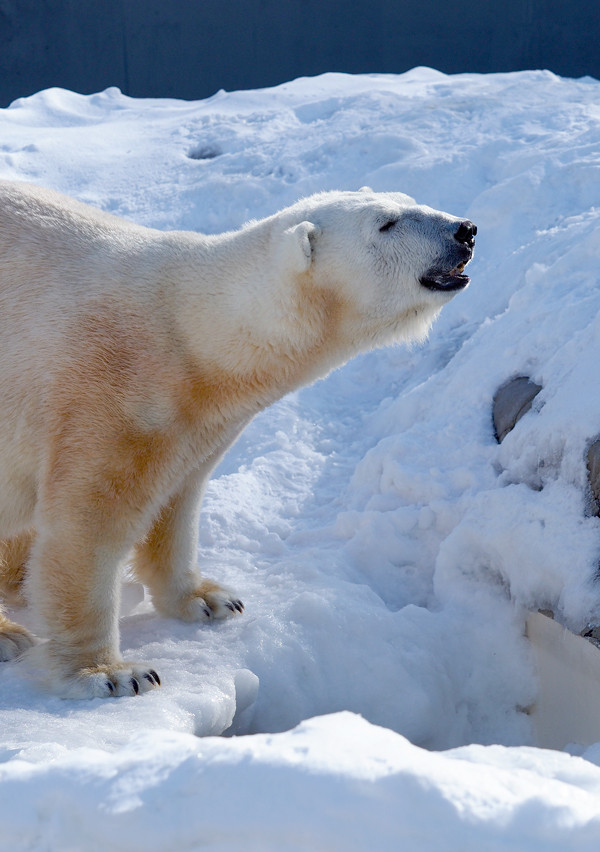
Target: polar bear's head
x,y
390,262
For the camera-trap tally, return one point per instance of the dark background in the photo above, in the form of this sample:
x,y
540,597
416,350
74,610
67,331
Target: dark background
x,y
192,48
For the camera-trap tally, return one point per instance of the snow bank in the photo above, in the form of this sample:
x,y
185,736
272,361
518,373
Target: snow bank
x,y
386,547
335,782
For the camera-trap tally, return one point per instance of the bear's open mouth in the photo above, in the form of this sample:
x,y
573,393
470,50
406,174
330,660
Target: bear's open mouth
x,y
453,280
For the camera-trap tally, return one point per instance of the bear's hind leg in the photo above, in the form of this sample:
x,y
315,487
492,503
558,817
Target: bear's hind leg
x,y
14,553
14,639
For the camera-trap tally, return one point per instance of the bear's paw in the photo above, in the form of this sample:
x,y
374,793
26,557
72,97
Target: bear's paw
x,y
110,681
207,601
14,640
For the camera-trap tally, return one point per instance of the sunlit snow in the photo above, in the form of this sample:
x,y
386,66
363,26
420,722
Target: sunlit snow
x,y
387,549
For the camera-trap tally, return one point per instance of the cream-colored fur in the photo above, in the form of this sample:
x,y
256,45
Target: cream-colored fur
x,y
130,359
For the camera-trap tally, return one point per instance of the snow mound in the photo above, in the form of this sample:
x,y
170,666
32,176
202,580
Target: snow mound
x,y
335,782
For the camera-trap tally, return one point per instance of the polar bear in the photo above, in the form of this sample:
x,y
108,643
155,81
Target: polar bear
x,y
132,358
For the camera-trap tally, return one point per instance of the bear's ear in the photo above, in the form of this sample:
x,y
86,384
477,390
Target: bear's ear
x,y
365,189
299,244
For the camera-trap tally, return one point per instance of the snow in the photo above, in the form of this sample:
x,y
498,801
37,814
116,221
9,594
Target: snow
x,y
332,783
387,549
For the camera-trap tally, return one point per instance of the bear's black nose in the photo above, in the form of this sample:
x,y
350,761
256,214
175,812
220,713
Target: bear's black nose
x,y
466,232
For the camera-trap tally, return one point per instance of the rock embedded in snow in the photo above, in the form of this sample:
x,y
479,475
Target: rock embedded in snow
x,y
511,402
593,466
568,667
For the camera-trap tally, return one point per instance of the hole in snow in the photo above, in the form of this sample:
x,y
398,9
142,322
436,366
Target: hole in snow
x,y
205,152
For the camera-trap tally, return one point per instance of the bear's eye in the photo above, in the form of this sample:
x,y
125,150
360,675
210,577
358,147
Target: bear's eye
x,y
389,224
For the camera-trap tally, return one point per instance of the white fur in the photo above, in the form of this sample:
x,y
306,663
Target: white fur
x,y
132,358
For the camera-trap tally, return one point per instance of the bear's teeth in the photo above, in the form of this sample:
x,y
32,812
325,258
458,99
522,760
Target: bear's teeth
x,y
458,270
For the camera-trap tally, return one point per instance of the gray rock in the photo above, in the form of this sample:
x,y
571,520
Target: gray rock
x,y
591,632
593,465
511,402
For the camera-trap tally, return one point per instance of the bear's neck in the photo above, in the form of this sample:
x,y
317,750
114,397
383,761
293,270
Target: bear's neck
x,y
262,333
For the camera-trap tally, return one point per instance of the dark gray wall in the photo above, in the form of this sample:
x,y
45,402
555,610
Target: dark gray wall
x,y
191,48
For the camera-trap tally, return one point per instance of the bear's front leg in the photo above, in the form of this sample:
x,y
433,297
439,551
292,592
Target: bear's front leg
x,y
165,560
74,584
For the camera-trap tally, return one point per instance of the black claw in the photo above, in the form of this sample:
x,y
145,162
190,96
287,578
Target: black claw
x,y
135,685
207,612
239,606
111,687
155,676
230,606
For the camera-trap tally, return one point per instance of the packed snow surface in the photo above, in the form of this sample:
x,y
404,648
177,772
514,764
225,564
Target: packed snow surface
x,y
386,547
